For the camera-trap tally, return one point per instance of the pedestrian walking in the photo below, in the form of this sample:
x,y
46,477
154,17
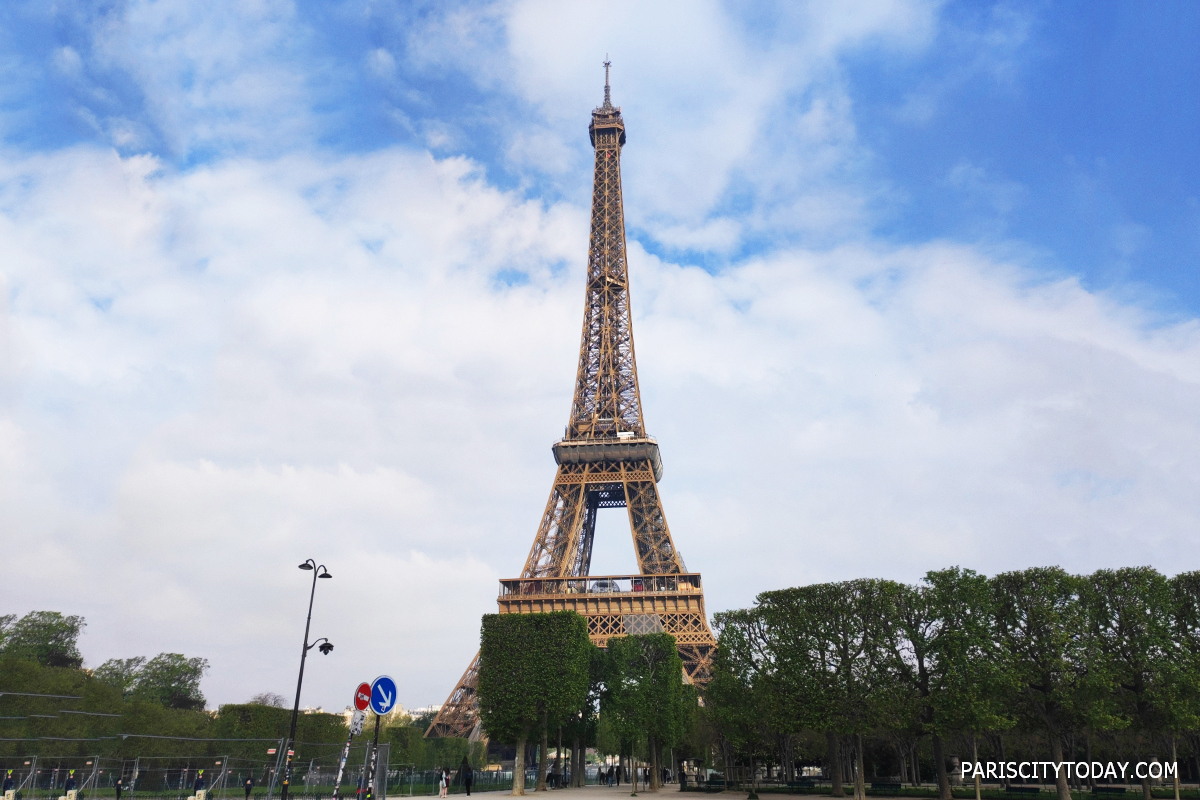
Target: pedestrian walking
x,y
248,786
119,786
468,778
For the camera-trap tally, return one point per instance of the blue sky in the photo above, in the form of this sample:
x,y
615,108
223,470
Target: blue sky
x,y
913,286
1064,128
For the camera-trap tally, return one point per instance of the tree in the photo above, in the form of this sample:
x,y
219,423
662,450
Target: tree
x,y
6,624
172,680
122,673
46,637
738,696
945,657
533,673
645,681
582,730
1038,619
1183,676
1129,615
268,699
835,635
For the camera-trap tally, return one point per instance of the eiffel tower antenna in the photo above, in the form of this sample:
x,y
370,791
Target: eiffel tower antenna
x,y
605,460
607,91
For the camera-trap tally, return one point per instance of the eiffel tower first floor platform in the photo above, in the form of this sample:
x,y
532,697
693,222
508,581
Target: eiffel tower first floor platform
x,y
613,605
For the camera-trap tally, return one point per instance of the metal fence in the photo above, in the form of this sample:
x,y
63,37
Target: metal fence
x,y
225,777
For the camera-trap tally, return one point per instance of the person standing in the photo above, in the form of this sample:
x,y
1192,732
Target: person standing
x,y
199,784
248,786
119,786
444,782
69,786
468,777
8,782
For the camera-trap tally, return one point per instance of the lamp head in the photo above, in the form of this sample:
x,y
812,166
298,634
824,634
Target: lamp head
x,y
306,565
326,648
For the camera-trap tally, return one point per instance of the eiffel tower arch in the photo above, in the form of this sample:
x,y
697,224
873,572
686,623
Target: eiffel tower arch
x,y
605,460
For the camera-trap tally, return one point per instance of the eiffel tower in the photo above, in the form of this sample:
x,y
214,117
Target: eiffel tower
x,y
605,460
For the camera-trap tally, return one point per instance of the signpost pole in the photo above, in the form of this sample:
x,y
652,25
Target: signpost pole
x,y
374,765
383,700
362,699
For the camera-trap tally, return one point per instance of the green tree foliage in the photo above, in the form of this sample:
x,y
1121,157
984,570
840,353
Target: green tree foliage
x,y
837,634
740,699
533,674
1129,613
173,680
945,656
1039,620
1037,658
644,693
121,673
409,746
47,637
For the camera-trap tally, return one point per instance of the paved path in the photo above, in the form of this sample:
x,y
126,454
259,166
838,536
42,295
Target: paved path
x,y
667,792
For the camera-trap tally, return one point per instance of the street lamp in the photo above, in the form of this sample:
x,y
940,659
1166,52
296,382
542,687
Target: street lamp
x,y
322,644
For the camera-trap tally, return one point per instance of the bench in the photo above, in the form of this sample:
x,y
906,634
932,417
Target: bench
x,y
884,787
1108,790
1023,790
803,783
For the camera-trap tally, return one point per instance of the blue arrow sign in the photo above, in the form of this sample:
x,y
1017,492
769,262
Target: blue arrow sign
x,y
383,695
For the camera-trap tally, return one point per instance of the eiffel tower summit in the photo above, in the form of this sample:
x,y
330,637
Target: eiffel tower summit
x,y
605,460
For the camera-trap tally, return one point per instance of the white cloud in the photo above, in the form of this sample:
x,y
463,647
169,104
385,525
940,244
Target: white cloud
x,y
718,109
213,76
215,374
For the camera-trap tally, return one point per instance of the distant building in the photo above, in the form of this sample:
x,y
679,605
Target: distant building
x,y
423,710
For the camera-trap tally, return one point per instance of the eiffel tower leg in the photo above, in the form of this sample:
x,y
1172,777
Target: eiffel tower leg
x,y
557,543
459,715
652,543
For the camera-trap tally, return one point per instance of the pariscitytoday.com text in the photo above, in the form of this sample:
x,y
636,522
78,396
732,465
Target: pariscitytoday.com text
x,y
1050,770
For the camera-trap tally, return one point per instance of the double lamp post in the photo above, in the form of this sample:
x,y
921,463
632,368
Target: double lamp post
x,y
322,644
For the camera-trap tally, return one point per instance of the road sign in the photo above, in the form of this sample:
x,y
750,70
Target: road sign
x,y
383,695
362,696
356,721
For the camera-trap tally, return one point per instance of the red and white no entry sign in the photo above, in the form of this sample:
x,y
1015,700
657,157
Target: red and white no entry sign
x,y
362,696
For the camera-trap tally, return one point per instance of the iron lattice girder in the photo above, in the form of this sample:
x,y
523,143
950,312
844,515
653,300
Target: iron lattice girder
x,y
605,460
459,715
607,400
566,529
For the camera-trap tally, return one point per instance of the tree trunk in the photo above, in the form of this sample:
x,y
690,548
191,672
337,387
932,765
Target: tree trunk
x,y
833,756
1056,755
916,763
576,763
1175,761
939,764
519,768
558,764
1087,747
1000,747
653,745
541,778
860,785
975,761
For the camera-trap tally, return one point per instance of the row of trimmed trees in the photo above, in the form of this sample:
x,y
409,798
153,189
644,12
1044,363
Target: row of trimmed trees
x,y
540,675
1040,654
